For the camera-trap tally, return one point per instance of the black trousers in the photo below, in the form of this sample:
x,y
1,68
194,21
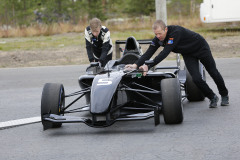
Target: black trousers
x,y
206,58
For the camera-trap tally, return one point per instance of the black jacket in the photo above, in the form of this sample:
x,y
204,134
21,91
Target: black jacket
x,y
178,40
98,47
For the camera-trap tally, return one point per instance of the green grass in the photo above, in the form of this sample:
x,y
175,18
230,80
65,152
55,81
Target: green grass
x,y
139,34
68,40
64,40
32,41
216,32
42,42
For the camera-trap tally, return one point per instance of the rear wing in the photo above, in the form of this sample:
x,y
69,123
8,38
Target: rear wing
x,y
118,42
144,41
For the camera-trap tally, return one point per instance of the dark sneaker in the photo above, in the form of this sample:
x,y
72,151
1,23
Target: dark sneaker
x,y
225,101
213,102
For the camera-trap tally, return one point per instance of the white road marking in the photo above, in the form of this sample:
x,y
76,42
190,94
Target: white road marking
x,y
19,122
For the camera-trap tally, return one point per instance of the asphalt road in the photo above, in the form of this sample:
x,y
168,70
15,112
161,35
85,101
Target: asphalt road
x,y
205,133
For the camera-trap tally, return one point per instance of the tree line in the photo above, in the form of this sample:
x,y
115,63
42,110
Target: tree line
x,y
28,12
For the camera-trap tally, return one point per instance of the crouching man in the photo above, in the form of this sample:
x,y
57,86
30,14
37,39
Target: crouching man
x,y
98,42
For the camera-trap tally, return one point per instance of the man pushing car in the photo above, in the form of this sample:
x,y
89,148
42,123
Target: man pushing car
x,y
98,42
194,48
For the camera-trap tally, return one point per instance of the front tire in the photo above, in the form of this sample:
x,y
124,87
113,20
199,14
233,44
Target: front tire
x,y
53,101
171,101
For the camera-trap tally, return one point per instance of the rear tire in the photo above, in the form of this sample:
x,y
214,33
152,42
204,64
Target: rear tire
x,y
192,91
171,101
53,101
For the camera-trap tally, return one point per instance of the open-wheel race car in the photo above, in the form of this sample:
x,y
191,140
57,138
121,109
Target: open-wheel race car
x,y
115,94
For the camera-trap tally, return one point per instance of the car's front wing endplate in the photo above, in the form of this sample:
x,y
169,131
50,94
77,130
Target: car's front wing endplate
x,y
98,124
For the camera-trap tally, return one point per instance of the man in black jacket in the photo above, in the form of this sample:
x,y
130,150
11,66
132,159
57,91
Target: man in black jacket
x,y
98,42
193,48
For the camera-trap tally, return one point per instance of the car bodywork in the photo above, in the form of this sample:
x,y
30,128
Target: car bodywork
x,y
115,94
